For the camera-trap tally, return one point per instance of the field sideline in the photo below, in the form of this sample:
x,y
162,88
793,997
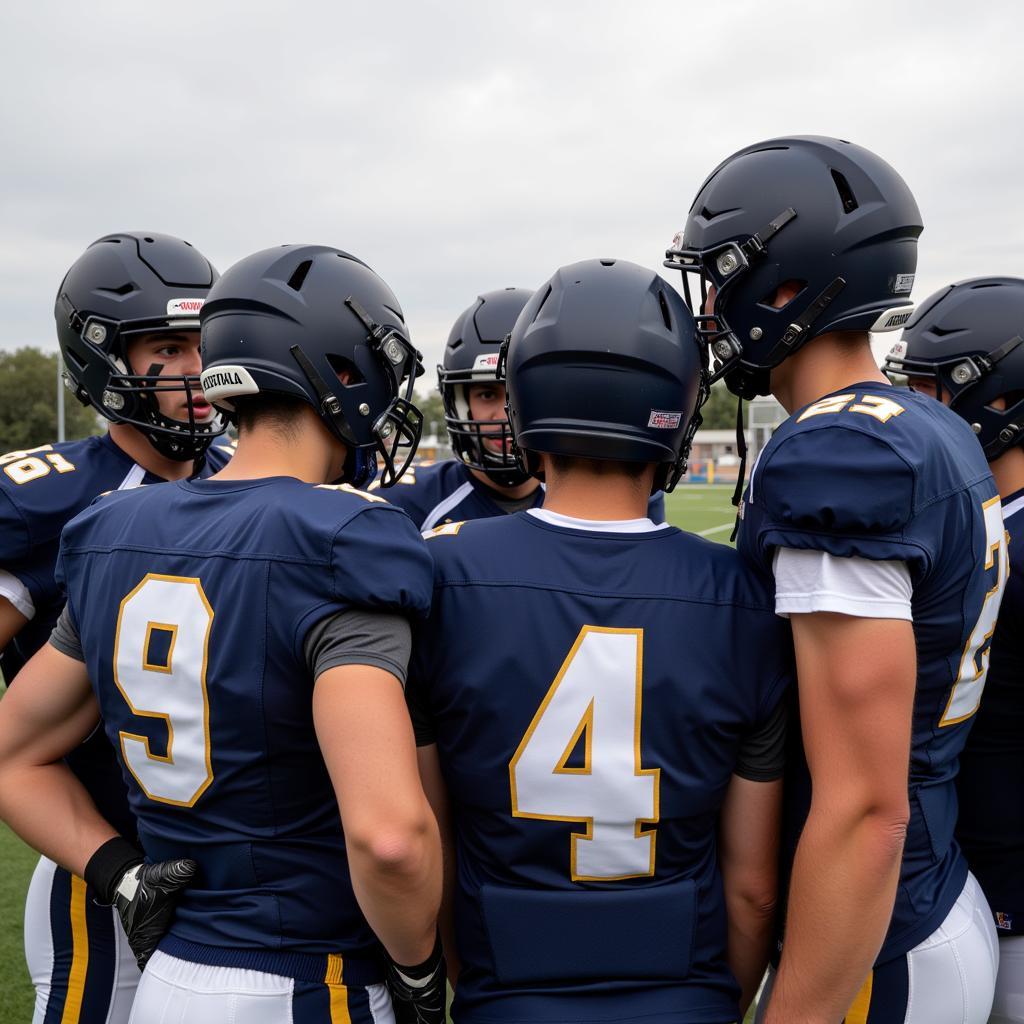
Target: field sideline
x,y
702,509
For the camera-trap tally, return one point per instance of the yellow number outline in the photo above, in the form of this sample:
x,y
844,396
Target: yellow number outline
x,y
638,771
123,735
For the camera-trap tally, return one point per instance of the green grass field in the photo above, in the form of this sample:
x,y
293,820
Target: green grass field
x,y
704,510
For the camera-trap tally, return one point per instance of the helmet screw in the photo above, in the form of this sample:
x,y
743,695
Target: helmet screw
x,y
97,334
112,400
756,334
386,429
68,383
976,427
364,409
727,263
961,373
722,349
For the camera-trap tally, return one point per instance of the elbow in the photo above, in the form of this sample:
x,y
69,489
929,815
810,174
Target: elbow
x,y
754,898
395,851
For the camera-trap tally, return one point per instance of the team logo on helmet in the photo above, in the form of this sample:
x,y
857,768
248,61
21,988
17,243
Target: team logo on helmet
x,y
184,307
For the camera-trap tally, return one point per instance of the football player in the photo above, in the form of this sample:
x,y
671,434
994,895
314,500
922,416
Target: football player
x,y
875,510
128,327
597,690
484,479
247,637
965,346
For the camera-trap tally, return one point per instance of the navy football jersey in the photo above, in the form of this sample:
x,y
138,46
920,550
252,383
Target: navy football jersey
x,y
588,692
193,600
40,491
885,473
435,493
991,780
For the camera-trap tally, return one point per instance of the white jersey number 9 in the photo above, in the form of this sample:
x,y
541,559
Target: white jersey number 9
x,y
593,707
160,656
970,681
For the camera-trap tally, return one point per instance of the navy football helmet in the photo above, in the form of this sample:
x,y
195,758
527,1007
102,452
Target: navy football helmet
x,y
123,286
287,321
471,357
827,217
604,363
969,339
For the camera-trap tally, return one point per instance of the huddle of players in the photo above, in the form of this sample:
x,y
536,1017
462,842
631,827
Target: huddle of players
x,y
246,637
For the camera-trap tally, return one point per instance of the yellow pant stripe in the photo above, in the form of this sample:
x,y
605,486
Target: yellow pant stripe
x,y
858,1012
339,1004
338,992
79,956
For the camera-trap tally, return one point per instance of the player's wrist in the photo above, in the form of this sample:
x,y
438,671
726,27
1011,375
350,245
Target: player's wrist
x,y
108,866
420,974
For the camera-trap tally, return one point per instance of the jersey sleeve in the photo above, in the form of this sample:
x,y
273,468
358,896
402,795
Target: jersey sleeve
x,y
378,562
841,491
15,542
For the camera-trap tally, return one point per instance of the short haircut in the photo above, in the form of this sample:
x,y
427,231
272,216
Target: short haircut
x,y
597,467
278,412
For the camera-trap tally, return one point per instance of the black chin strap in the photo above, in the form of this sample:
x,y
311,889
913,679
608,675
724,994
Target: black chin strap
x,y
741,447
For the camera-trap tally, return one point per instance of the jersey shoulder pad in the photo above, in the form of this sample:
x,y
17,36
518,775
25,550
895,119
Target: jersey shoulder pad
x,y
834,478
50,484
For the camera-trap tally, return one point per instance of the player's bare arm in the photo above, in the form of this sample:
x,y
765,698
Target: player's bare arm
x,y
391,834
437,795
748,853
856,679
11,622
49,711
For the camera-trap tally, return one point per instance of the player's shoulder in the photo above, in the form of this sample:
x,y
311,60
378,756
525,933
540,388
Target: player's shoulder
x,y
218,455
51,483
425,484
865,459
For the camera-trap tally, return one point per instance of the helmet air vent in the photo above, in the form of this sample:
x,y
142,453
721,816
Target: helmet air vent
x,y
665,315
299,275
846,196
125,289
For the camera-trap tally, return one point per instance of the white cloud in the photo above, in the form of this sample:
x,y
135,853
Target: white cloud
x,y
465,145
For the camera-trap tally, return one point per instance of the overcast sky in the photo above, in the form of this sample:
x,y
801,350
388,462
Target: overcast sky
x,y
466,145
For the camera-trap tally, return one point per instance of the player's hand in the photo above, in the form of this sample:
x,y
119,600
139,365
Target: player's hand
x,y
145,898
418,993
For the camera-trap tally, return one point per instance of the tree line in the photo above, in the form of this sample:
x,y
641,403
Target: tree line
x,y
28,403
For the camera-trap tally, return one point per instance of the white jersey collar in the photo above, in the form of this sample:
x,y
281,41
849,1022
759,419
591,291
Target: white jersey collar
x,y
644,525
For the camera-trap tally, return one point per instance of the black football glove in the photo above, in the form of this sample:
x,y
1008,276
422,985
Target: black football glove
x,y
418,993
143,894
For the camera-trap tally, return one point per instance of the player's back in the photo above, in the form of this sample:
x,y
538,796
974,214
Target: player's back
x,y
589,691
888,474
193,601
991,823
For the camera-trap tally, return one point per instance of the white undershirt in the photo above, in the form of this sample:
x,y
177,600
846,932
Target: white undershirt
x,y
597,525
815,581
17,593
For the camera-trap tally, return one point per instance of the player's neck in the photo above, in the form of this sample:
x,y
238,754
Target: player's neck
x,y
1008,471
822,367
305,450
512,493
136,447
605,497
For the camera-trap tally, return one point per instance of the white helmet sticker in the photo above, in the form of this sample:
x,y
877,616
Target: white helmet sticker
x,y
222,382
893,319
486,361
184,307
898,351
902,284
662,420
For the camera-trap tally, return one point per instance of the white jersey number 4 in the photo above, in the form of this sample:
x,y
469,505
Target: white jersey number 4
x,y
593,708
160,657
